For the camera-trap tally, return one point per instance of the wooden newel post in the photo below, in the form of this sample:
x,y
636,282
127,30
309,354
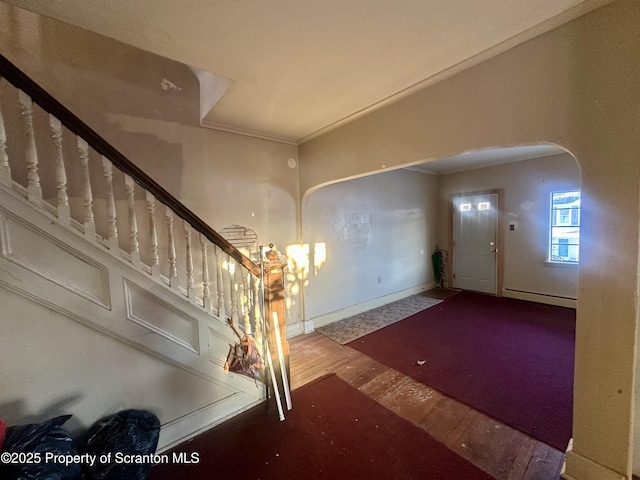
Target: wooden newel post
x,y
275,266
274,274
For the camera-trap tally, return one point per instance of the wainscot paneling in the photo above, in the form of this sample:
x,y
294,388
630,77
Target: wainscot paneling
x,y
58,267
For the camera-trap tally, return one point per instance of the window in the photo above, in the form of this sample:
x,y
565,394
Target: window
x,y
564,231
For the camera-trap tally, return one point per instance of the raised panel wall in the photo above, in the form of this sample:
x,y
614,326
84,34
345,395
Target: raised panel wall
x,y
131,315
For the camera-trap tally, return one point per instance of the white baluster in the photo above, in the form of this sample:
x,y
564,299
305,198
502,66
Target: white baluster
x,y
171,249
153,235
219,283
246,300
134,245
34,191
87,195
206,293
5,169
233,289
64,213
112,233
256,309
190,282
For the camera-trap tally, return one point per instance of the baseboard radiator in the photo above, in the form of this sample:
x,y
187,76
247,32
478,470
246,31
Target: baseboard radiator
x,y
538,297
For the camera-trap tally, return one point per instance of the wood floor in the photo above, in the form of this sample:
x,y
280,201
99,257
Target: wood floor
x,y
501,451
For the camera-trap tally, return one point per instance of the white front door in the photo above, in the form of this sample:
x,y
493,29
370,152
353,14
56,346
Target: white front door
x,y
475,221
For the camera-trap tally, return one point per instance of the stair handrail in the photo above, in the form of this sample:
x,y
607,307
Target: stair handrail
x,y
41,97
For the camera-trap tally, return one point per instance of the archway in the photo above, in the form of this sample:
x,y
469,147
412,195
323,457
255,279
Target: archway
x,y
378,231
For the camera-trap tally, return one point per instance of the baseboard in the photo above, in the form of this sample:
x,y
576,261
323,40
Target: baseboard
x,y
540,298
327,318
564,461
295,329
195,423
581,468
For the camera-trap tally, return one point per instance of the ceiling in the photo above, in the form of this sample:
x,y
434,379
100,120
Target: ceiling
x,y
487,158
297,68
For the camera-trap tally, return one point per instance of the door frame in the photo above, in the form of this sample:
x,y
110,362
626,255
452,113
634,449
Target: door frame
x,y
499,192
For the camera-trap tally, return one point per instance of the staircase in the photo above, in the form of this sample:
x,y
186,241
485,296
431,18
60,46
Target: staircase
x,y
113,294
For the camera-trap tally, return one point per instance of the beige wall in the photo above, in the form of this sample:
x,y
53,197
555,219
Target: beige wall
x,y
526,187
46,372
575,86
379,234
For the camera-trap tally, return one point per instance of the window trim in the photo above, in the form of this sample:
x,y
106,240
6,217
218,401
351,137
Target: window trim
x,y
549,263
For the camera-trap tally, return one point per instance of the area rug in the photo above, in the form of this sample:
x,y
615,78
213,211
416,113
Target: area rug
x,y
511,359
352,328
333,432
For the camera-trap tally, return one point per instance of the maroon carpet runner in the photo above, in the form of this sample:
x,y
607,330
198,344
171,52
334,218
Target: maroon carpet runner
x,y
333,432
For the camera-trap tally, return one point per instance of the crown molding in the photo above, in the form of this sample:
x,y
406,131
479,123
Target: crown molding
x,y
248,133
544,27
421,170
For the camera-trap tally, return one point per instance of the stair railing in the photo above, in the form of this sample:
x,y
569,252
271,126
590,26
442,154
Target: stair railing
x,y
81,189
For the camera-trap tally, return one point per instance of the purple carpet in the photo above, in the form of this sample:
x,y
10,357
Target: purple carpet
x,y
508,358
333,432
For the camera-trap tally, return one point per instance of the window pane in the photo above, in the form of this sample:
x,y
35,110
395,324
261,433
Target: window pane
x,y
572,233
566,199
563,247
564,232
566,216
575,216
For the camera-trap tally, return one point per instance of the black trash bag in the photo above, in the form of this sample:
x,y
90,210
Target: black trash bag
x,y
130,437
35,446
